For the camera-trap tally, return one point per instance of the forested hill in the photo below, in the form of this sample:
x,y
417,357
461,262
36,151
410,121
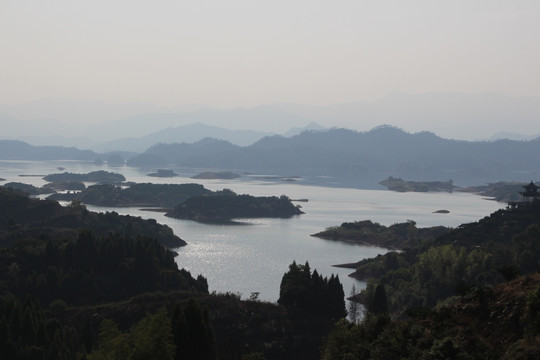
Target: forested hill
x,y
481,254
22,217
19,150
457,296
225,208
71,293
364,157
490,323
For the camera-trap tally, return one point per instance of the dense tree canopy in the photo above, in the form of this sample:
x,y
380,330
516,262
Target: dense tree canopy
x,y
302,290
228,206
91,269
24,217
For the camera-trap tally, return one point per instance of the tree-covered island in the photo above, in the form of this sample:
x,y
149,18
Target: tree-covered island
x,y
144,194
224,175
396,236
400,185
224,208
164,173
186,201
101,177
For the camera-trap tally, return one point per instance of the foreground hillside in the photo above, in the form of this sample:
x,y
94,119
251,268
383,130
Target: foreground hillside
x,y
72,293
495,249
67,292
21,216
502,322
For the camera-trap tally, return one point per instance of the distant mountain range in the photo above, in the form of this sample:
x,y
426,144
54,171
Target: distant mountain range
x,y
19,150
346,157
339,157
182,134
97,125
449,115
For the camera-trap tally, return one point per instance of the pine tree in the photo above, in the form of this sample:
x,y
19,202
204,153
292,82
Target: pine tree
x,y
379,303
193,335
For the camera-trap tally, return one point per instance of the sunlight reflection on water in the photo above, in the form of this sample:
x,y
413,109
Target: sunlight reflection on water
x,y
254,256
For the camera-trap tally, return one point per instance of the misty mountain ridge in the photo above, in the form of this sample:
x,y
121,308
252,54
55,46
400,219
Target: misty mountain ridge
x,y
186,133
192,133
19,150
273,120
450,115
363,158
337,157
182,134
312,126
510,136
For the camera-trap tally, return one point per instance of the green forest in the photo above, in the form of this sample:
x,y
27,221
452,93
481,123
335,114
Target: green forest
x,y
228,206
83,293
106,287
396,236
471,293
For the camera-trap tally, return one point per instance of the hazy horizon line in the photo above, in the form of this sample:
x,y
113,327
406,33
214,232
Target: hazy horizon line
x,y
260,104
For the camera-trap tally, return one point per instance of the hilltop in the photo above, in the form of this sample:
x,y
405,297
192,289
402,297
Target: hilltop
x,y
22,217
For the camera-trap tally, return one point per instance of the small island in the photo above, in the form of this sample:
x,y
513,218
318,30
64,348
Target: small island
x,y
397,236
223,209
400,185
442,211
210,175
144,194
101,176
163,173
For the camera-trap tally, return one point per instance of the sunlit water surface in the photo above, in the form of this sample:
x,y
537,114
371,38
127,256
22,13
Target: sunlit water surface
x,y
253,257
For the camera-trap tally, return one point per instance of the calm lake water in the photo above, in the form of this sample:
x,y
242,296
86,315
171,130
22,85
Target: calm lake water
x,y
253,257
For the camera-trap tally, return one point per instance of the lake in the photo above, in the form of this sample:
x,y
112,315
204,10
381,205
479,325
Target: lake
x,y
253,257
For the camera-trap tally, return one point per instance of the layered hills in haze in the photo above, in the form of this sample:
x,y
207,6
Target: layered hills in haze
x,y
87,124
152,137
364,158
339,157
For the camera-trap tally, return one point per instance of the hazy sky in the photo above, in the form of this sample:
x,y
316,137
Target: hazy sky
x,y
244,53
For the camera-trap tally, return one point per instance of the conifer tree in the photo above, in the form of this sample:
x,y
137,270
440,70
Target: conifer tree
x,y
193,335
379,303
